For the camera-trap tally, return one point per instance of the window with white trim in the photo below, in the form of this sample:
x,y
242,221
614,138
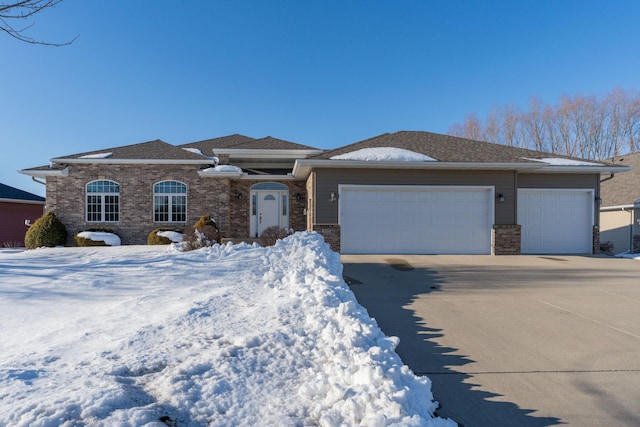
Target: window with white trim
x,y
170,202
103,201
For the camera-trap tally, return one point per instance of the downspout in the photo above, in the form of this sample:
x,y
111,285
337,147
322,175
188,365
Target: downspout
x,y
33,178
607,179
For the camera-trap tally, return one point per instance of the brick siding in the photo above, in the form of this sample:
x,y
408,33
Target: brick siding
x,y
507,239
66,197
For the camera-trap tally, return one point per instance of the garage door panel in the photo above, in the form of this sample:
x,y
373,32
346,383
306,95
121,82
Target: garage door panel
x,y
420,221
555,221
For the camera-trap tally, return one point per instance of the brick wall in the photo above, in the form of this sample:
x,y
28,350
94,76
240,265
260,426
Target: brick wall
x,y
216,196
596,240
66,198
506,239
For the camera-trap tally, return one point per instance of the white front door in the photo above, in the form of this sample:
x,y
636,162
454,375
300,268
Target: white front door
x,y
268,210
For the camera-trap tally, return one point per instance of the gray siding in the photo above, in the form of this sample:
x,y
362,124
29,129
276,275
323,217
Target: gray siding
x,y
327,181
542,180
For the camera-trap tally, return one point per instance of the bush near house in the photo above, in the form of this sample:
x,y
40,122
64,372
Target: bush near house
x,y
46,231
205,232
82,241
271,235
155,239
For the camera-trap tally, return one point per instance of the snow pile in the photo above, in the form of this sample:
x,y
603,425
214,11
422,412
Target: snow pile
x,y
97,156
101,236
174,236
384,154
223,169
556,161
628,255
226,335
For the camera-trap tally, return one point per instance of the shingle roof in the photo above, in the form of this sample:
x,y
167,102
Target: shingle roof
x,y
242,142
444,148
623,189
151,150
271,143
207,145
7,192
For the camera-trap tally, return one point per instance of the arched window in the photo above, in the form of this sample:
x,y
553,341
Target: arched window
x,y
103,201
170,202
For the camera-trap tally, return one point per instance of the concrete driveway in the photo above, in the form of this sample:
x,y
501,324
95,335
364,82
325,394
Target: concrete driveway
x,y
513,340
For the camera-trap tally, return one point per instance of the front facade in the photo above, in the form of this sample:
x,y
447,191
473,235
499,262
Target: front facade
x,y
18,209
440,195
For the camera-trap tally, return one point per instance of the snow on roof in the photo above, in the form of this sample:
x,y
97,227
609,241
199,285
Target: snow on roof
x,y
557,161
200,153
223,168
96,156
384,154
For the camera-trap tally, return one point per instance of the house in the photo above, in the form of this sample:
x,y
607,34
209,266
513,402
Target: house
x,y
405,192
620,209
17,209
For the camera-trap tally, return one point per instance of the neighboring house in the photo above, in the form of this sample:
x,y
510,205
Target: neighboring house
x,y
406,192
16,207
620,209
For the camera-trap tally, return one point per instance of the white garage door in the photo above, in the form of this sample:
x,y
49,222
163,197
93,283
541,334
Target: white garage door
x,y
556,221
416,220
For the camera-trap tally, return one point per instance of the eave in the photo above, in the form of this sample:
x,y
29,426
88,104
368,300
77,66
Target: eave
x,y
133,161
246,176
45,173
303,167
265,153
23,202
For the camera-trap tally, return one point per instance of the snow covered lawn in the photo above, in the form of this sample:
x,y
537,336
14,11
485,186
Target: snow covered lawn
x,y
224,336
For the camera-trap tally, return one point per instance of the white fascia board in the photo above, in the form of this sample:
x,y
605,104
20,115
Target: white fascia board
x,y
604,169
46,173
220,174
303,167
287,177
133,161
22,202
617,208
265,153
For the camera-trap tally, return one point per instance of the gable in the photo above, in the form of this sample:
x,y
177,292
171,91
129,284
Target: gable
x,y
622,189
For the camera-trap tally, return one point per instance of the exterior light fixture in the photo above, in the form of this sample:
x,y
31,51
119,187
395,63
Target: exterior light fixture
x,y
333,197
501,198
239,196
298,197
598,200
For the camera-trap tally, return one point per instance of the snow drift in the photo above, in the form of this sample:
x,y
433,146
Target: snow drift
x,y
226,336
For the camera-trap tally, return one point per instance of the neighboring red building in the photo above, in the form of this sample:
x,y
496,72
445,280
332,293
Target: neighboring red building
x,y
16,207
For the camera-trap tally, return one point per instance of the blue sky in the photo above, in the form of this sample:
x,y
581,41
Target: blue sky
x,y
320,73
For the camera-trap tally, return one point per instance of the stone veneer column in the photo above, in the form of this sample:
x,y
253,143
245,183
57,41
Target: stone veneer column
x,y
596,240
331,234
507,239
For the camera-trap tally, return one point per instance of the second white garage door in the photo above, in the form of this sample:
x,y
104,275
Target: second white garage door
x,y
556,221
415,220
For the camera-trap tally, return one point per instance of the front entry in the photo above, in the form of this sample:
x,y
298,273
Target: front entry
x,y
269,207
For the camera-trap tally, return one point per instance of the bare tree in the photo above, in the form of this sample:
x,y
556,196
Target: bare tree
x,y
577,126
20,12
